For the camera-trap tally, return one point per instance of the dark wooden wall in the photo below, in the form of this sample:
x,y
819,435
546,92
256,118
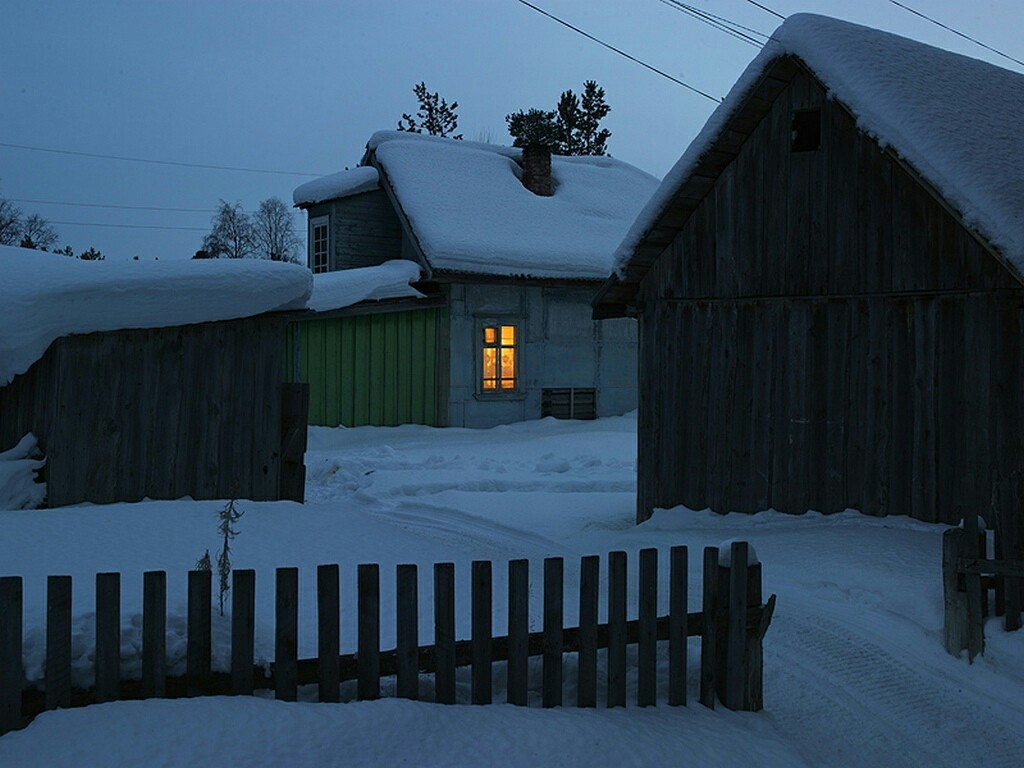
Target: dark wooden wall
x,y
365,230
824,334
193,410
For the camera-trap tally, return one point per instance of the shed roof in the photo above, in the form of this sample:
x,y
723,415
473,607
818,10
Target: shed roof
x,y
955,120
468,212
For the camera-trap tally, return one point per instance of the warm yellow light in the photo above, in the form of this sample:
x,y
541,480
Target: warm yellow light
x,y
490,363
508,335
508,363
490,384
490,335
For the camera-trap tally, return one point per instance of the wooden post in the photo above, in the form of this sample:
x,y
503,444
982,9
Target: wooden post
x,y
753,695
200,603
243,627
647,642
954,629
678,629
590,576
975,618
58,642
108,636
328,648
518,632
709,630
617,629
736,643
407,632
368,632
12,669
154,634
481,642
286,635
294,420
554,595
1013,549
1000,580
444,633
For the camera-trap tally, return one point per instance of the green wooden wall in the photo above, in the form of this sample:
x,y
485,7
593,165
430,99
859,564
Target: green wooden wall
x,y
380,369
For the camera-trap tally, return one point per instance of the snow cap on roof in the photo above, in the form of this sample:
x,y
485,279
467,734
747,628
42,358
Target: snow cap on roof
x,y
352,181
469,211
956,120
390,280
46,296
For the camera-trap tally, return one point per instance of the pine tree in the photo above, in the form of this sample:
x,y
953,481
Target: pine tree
x,y
534,128
573,128
436,116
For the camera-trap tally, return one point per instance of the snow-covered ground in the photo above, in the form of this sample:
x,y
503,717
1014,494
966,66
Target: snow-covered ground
x,y
855,670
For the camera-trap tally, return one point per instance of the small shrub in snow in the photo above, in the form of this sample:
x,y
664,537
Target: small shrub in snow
x,y
204,563
228,517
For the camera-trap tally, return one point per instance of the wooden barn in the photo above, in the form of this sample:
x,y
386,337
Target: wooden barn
x,y
153,380
829,287
512,247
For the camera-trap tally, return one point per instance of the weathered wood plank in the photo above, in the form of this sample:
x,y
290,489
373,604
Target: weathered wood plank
x,y
554,598
407,632
518,631
616,629
586,688
736,643
200,604
647,646
243,627
444,632
709,629
154,634
58,642
482,631
328,622
975,622
108,636
12,670
368,631
286,634
678,590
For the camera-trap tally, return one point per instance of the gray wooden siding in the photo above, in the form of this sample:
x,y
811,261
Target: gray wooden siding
x,y
365,231
163,413
823,334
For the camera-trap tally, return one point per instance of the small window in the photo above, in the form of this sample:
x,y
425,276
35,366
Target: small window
x,y
500,366
569,402
806,130
319,244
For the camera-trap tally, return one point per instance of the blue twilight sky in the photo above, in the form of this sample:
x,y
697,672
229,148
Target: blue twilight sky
x,y
299,86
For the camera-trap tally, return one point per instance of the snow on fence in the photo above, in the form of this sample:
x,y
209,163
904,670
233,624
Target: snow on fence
x,y
731,626
968,577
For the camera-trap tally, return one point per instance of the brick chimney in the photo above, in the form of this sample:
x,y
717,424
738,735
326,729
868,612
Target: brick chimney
x,y
537,169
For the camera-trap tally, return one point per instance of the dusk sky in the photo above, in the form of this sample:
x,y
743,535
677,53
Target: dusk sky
x,y
300,86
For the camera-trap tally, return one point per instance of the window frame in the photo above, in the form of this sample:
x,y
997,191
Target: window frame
x,y
480,345
314,224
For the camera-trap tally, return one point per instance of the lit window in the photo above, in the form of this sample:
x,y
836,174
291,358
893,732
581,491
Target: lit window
x,y
499,358
319,248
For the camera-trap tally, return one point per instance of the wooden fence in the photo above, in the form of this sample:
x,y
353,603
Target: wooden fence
x,y
731,627
970,578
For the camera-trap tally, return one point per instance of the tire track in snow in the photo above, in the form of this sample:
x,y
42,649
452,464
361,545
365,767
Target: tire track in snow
x,y
893,713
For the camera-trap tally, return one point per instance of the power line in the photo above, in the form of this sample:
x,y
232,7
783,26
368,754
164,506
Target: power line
x,y
153,162
717,22
124,207
769,10
619,51
128,226
957,32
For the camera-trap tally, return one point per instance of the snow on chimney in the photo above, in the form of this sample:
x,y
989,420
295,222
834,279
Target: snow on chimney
x,y
537,169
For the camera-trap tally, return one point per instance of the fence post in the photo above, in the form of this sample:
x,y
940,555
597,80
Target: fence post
x,y
58,642
678,629
328,620
294,421
444,633
368,632
518,631
12,670
736,635
616,629
482,631
709,630
954,600
108,636
590,576
407,632
975,615
243,626
200,603
554,596
647,641
753,694
154,634
286,635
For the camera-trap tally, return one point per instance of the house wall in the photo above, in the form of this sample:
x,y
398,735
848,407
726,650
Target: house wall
x,y
561,346
823,334
160,413
365,230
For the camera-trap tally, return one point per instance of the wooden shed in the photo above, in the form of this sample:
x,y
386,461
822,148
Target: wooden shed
x,y
198,409
829,288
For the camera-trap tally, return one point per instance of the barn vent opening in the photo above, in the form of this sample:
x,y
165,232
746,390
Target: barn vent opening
x,y
569,402
806,130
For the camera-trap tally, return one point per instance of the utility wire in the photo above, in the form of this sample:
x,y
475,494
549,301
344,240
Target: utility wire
x,y
154,162
126,226
713,21
619,51
124,207
957,32
769,10
723,19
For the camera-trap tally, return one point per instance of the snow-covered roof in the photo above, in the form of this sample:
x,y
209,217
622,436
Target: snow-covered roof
x,y
469,211
351,181
956,120
45,296
390,280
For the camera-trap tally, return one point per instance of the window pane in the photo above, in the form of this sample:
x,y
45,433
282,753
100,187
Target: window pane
x,y
490,363
508,384
490,384
490,335
508,363
508,335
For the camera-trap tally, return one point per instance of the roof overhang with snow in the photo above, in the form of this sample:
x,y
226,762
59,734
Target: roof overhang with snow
x,y
921,104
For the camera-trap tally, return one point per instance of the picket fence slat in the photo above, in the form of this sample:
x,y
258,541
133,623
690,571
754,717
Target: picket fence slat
x,y
731,624
58,642
154,634
243,627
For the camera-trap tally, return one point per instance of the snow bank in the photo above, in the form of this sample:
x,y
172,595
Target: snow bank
x,y
390,280
351,181
470,212
46,296
18,468
955,119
